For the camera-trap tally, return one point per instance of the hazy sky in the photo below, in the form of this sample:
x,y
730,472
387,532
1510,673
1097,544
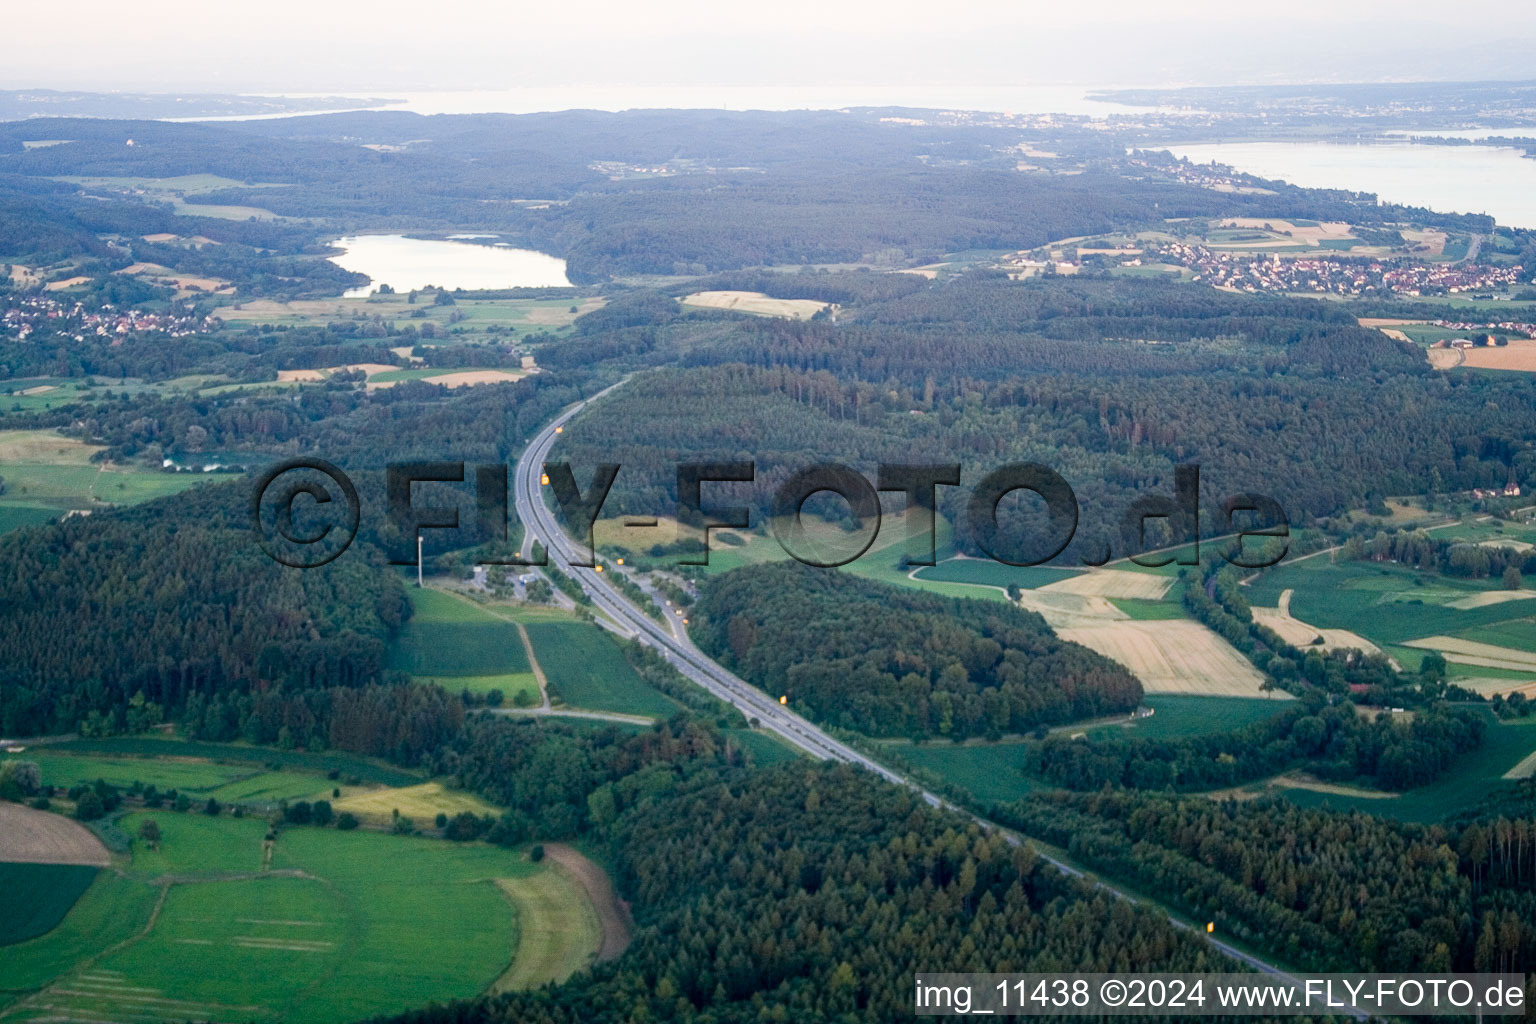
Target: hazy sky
x,y
376,46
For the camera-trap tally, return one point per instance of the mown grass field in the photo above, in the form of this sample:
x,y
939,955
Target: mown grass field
x,y
65,769
559,932
46,392
35,897
510,684
586,669
450,637
344,925
1491,531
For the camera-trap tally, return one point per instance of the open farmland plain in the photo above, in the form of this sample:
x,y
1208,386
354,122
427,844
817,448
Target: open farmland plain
x,y
460,645
47,474
1487,634
326,926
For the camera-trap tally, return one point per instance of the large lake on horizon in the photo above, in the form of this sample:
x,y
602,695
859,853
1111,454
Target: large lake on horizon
x,y
413,263
1494,180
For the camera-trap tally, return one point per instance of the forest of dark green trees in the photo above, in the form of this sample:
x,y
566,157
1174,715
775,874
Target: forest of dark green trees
x,y
886,661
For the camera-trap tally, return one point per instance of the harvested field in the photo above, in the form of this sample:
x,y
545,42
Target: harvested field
x,y
612,912
43,447
468,378
1470,652
1490,687
1174,656
1301,780
756,302
1068,611
1300,634
371,369
1424,242
1121,583
1445,358
559,930
1525,769
1312,235
421,803
1519,354
68,282
37,837
1488,597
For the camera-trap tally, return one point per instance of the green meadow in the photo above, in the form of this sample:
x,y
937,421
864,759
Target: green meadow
x,y
451,636
228,772
46,475
1385,603
329,926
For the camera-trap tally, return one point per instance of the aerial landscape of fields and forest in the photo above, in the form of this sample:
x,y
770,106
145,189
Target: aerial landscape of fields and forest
x,y
491,551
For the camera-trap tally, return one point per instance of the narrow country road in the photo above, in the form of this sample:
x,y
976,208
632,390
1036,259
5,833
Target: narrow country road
x,y
673,643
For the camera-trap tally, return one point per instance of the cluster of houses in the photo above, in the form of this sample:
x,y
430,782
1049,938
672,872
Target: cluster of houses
x,y
27,314
1509,490
1502,327
1338,275
1212,176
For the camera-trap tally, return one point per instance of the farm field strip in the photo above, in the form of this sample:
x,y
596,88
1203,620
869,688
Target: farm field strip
x,y
1175,656
1114,583
558,930
1470,652
756,303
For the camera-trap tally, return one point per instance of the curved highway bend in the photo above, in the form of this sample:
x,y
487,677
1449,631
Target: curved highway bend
x,y
673,642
